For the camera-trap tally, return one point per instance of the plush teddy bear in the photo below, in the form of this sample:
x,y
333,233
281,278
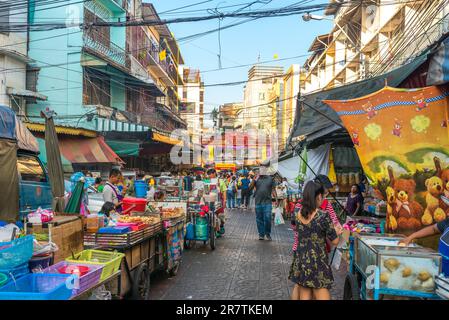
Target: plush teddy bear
x,y
433,211
408,211
392,215
444,176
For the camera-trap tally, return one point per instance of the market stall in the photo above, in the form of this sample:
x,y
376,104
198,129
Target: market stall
x,y
395,270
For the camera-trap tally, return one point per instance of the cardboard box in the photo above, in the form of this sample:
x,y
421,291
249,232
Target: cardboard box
x,y
65,231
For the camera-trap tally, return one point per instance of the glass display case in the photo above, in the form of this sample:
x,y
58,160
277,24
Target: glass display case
x,y
411,268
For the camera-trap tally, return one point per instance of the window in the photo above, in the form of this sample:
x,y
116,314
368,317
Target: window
x,y
30,169
262,96
4,17
96,88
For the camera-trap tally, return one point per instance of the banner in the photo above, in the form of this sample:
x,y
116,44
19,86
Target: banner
x,y
402,139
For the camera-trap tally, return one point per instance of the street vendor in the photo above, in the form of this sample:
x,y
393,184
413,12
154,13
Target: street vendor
x,y
110,191
428,231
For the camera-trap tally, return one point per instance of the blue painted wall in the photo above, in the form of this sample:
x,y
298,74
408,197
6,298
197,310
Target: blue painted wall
x,y
58,54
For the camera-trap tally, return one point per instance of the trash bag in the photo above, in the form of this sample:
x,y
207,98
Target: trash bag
x,y
278,219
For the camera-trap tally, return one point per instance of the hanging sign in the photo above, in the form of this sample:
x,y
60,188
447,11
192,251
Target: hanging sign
x,y
402,139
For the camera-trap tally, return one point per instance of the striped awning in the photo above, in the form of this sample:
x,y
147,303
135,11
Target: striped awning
x,y
90,150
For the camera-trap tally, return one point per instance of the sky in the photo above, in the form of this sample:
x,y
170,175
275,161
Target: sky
x,y
266,38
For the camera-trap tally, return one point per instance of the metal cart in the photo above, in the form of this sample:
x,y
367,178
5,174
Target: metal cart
x,y
141,250
368,263
210,236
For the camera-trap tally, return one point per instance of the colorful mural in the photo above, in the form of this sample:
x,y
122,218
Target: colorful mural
x,y
402,139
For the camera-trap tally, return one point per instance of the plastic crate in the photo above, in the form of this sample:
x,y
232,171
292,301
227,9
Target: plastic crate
x,y
37,286
3,279
91,278
109,260
16,252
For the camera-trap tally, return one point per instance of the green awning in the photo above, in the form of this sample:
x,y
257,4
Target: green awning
x,y
125,148
66,164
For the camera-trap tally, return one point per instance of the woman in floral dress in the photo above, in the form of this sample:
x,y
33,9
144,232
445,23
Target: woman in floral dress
x,y
310,268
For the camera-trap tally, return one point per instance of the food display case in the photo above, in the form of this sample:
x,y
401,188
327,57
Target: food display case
x,y
399,270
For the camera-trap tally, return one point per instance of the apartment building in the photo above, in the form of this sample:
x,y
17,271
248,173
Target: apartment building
x,y
227,115
370,38
15,92
192,101
257,112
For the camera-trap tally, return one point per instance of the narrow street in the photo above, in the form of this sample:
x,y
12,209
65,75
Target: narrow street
x,y
240,268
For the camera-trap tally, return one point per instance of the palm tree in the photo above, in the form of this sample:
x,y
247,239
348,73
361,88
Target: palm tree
x,y
214,115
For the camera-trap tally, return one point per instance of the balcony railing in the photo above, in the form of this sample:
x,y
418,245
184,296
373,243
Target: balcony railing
x,y
112,52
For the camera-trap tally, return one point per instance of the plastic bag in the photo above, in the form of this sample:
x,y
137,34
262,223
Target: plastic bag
x,y
101,294
278,219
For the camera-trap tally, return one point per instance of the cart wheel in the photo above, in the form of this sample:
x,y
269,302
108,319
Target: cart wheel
x,y
187,244
174,271
141,286
351,289
212,236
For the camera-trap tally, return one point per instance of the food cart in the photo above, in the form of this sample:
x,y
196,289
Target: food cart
x,y
173,215
379,264
149,241
137,239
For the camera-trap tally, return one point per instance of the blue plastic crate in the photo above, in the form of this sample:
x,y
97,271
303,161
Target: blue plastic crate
x,y
38,286
16,252
16,273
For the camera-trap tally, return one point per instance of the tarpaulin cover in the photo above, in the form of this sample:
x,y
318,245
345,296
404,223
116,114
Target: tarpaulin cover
x,y
9,180
439,65
318,160
7,123
309,121
402,139
289,169
25,139
125,148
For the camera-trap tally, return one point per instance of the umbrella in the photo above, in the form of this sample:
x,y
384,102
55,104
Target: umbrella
x,y
74,204
54,163
243,172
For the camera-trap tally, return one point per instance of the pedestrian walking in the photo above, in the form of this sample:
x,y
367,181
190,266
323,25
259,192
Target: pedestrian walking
x,y
264,192
245,183
231,192
310,268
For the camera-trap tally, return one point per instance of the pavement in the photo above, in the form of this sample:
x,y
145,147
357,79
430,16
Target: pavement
x,y
240,268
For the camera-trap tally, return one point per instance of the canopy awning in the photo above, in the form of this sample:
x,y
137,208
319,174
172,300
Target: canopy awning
x,y
66,164
93,150
26,94
309,121
164,139
125,148
40,127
